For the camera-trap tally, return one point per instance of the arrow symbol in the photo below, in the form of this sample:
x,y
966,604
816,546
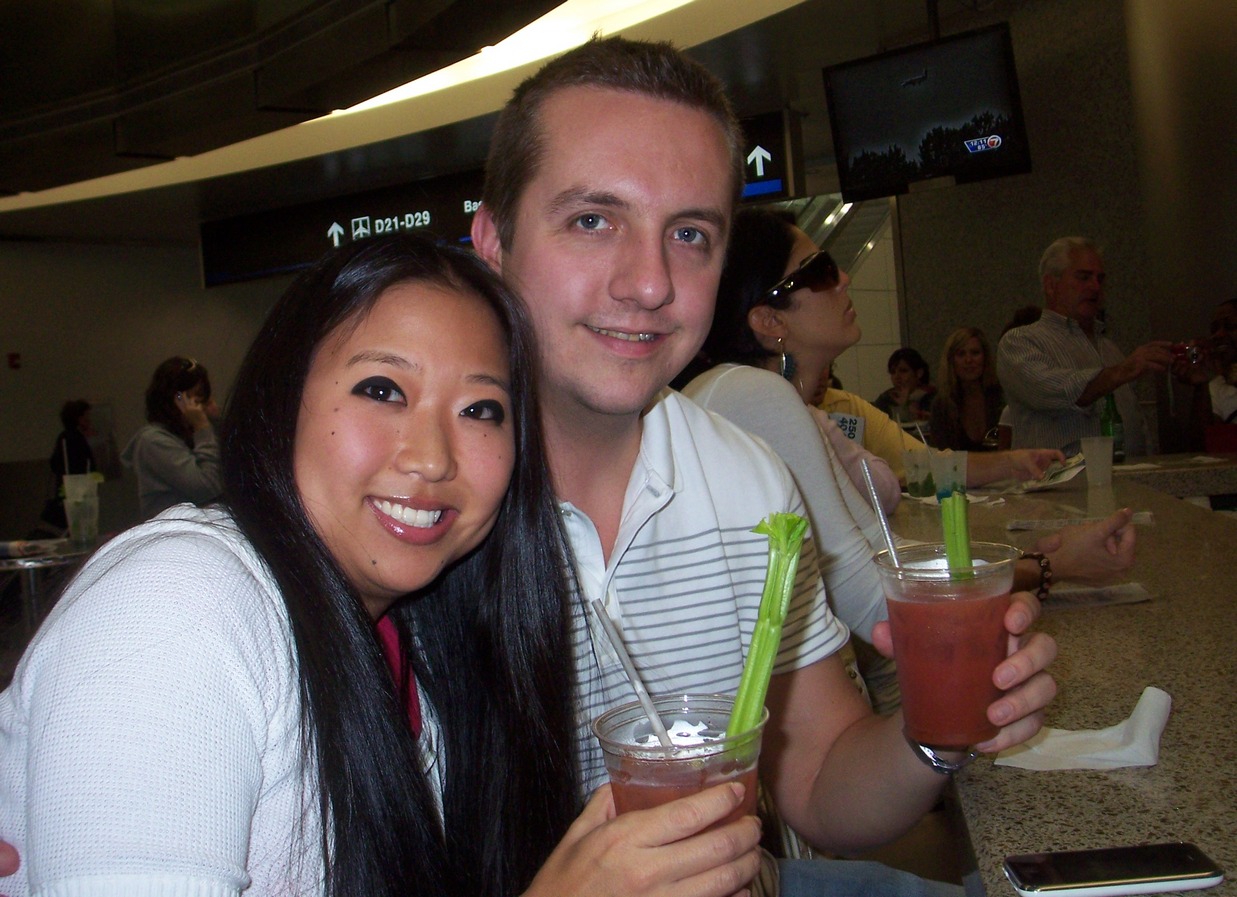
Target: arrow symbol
x,y
334,233
759,156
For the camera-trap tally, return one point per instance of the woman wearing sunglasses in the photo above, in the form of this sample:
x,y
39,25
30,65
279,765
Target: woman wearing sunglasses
x,y
783,306
783,315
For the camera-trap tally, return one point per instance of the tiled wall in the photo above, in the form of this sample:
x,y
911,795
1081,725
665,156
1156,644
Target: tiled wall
x,y
873,289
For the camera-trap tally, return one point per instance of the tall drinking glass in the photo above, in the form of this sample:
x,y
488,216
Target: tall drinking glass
x,y
81,508
949,634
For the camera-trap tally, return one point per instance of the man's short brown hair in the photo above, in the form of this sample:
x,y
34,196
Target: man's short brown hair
x,y
654,69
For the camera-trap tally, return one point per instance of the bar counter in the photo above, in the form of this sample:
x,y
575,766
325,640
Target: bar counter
x,y
1184,641
1183,474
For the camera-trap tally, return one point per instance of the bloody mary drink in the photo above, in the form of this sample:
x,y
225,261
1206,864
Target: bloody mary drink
x,y
632,794
644,773
949,636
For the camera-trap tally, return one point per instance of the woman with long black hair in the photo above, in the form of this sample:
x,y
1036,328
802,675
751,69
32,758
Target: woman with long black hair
x,y
209,708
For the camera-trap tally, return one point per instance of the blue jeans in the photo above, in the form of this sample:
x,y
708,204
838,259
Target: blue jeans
x,y
856,878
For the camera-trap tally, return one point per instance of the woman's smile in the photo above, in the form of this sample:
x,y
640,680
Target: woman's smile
x,y
405,443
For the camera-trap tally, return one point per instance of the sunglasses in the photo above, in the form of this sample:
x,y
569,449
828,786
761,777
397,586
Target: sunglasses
x,y
817,272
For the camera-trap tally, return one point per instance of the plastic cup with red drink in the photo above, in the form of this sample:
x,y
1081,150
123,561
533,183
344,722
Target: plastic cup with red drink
x,y
949,635
645,774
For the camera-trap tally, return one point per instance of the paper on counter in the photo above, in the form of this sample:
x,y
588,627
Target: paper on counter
x,y
971,499
1063,595
1133,742
1139,465
1055,475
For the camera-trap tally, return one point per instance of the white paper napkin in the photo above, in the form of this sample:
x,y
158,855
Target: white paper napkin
x,y
1133,742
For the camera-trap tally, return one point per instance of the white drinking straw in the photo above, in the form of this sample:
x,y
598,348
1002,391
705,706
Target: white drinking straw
x,y
642,694
880,512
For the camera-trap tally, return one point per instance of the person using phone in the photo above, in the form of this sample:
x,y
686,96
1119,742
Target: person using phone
x,y
175,456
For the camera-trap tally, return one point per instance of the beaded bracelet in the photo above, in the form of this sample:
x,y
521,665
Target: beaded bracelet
x,y
1045,573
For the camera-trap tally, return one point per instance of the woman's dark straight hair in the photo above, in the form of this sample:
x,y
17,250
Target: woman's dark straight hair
x,y
761,241
488,642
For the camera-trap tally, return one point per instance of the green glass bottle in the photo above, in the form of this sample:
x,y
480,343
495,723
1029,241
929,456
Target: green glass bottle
x,y
1112,425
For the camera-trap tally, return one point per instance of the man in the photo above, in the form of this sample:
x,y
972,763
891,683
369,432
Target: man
x,y
1222,388
1212,374
612,179
1057,371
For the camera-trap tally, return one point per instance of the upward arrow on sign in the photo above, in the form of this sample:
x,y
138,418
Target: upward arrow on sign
x,y
759,156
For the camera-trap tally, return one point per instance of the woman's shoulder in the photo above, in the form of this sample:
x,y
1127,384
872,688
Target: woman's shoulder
x,y
176,601
885,401
848,402
187,563
742,381
731,376
150,436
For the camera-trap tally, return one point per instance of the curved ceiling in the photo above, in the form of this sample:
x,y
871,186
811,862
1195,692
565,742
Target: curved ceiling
x,y
95,87
769,52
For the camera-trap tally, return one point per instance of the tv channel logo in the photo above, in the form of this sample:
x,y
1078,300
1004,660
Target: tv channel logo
x,y
983,144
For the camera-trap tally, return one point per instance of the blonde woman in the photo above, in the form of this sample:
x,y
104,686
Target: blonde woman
x,y
968,404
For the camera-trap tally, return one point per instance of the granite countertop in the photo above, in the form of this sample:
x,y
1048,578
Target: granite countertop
x,y
1181,641
1183,474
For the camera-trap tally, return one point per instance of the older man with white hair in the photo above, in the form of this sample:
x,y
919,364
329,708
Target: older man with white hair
x,y
1057,372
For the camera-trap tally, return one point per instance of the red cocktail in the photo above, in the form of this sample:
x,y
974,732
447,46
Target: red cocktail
x,y
948,637
644,773
632,794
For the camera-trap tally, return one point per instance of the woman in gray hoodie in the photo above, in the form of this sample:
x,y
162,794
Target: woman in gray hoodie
x,y
176,455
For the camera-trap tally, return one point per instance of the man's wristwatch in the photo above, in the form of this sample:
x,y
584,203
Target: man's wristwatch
x,y
936,761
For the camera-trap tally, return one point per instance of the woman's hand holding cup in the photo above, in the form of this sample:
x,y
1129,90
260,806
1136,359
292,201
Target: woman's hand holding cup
x,y
666,850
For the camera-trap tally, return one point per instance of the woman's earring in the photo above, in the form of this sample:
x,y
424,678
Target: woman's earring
x,y
788,366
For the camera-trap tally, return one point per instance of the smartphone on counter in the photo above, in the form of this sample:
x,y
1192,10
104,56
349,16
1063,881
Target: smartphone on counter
x,y
1112,871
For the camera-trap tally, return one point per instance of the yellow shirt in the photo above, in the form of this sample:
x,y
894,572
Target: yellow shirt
x,y
881,434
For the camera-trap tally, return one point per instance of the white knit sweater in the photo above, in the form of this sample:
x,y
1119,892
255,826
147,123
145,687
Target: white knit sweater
x,y
149,742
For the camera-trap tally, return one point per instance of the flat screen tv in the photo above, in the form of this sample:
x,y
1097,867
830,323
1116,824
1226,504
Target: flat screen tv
x,y
944,109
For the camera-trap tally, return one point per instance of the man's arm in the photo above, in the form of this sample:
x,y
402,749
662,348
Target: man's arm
x,y
1154,357
842,777
845,778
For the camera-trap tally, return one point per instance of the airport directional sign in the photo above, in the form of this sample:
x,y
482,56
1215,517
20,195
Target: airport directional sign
x,y
773,156
280,241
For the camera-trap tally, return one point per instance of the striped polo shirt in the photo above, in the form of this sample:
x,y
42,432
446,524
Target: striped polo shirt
x,y
684,580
